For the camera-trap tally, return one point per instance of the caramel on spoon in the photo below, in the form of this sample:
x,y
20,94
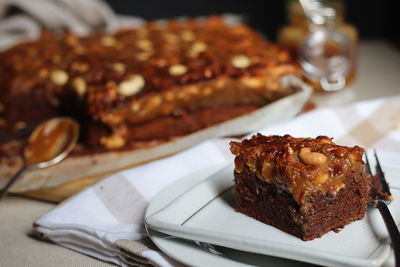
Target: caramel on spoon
x,y
49,143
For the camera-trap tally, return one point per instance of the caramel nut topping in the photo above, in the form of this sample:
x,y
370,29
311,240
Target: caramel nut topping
x,y
59,77
177,69
352,158
153,102
208,73
196,49
131,86
207,91
266,171
340,152
79,85
187,36
194,90
184,95
142,32
167,108
119,67
171,38
321,178
108,41
135,106
143,51
272,85
240,61
112,142
169,96
325,140
143,55
80,67
220,83
252,82
239,165
112,85
56,59
251,165
144,44
72,40
293,173
312,158
111,118
79,50
43,73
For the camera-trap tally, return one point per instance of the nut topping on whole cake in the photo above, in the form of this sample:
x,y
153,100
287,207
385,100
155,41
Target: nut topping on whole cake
x,y
157,82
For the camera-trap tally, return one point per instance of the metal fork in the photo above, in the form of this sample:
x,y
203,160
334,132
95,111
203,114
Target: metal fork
x,y
380,189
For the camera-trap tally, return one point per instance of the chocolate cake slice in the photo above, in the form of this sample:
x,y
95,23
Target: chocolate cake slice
x,y
303,186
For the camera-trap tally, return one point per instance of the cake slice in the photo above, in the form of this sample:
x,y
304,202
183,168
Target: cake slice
x,y
303,186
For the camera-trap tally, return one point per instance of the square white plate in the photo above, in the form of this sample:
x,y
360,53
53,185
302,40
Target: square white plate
x,y
206,213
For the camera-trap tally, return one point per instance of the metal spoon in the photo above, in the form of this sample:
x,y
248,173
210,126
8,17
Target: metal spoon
x,y
49,143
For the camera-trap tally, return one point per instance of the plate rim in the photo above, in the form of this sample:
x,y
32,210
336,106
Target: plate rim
x,y
278,249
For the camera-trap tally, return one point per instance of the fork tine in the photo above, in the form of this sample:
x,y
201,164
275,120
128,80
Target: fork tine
x,y
381,175
367,165
379,170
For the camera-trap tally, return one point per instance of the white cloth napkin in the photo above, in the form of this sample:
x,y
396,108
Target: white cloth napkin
x,y
78,16
106,220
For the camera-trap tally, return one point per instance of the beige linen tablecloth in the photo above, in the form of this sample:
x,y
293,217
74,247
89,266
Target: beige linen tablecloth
x,y
18,248
378,76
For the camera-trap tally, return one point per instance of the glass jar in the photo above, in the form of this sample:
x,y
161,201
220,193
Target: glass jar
x,y
299,28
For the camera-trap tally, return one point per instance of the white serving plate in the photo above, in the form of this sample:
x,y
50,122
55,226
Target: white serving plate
x,y
206,213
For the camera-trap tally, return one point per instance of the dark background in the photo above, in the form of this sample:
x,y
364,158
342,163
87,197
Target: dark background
x,y
374,19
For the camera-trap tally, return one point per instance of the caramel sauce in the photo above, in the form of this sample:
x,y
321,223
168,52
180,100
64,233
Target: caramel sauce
x,y
302,185
289,172
195,97
304,182
333,185
49,140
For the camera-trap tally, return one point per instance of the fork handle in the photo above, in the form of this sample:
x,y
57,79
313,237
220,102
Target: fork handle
x,y
392,229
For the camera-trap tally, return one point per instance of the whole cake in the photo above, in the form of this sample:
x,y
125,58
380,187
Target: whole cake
x,y
161,81
303,186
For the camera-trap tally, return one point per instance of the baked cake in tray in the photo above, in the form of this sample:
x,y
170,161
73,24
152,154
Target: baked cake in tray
x,y
154,83
303,186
